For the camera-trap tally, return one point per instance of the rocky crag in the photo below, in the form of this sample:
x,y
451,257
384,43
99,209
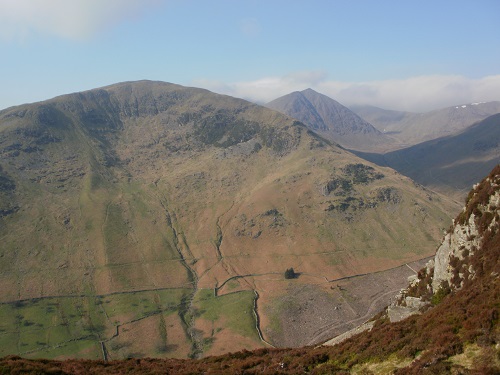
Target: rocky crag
x,y
458,260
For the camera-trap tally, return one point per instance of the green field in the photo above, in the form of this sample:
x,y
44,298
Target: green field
x,y
236,309
74,326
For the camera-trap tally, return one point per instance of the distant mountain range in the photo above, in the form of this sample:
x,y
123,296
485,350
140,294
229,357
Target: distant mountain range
x,y
412,128
151,219
452,164
445,150
331,120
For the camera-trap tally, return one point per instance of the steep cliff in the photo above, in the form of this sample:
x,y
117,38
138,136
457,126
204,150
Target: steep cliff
x,y
469,250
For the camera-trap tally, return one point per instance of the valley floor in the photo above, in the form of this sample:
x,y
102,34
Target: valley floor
x,y
103,327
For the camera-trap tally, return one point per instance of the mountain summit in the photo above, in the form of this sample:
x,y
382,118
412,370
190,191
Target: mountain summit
x,y
331,119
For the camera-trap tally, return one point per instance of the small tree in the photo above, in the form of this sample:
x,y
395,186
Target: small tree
x,y
290,274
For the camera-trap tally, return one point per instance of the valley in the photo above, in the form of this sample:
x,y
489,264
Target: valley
x,y
411,128
450,164
444,321
249,187
137,323
150,219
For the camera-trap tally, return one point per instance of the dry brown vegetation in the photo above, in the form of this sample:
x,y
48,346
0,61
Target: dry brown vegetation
x,y
431,343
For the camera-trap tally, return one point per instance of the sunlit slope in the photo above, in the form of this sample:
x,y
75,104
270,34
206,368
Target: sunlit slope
x,y
156,191
77,225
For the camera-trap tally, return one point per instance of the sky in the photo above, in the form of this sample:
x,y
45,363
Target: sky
x,y
395,54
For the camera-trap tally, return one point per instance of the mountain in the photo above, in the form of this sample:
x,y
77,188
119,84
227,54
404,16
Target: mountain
x,y
331,120
444,322
151,219
413,128
449,165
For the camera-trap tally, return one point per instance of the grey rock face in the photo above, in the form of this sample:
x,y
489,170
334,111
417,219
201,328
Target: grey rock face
x,y
463,240
456,246
408,307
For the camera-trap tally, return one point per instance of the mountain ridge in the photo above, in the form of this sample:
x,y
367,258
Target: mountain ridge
x,y
412,128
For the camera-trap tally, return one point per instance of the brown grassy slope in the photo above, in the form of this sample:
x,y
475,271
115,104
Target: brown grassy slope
x,y
149,187
428,343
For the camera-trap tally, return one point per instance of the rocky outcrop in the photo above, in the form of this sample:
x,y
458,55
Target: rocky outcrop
x,y
454,262
405,307
463,240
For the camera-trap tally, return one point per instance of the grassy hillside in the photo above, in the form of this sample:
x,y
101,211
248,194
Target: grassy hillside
x,y
455,332
123,209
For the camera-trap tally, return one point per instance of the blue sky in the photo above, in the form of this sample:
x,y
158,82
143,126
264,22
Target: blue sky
x,y
407,55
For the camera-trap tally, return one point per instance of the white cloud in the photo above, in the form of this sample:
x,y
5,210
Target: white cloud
x,y
72,19
418,94
265,89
